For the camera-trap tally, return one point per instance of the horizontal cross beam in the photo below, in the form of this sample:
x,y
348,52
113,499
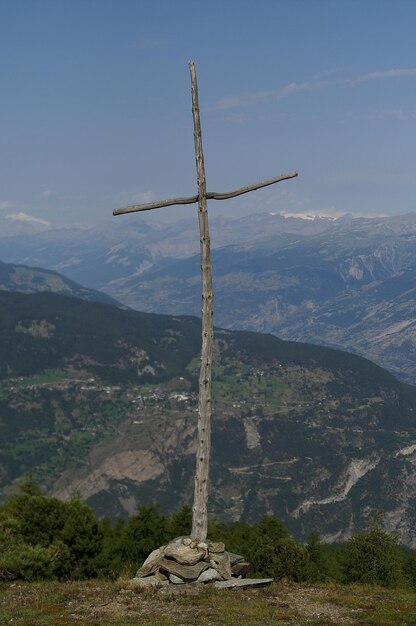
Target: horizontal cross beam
x,y
210,195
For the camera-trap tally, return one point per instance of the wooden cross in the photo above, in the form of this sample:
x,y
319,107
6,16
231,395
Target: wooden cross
x,y
199,510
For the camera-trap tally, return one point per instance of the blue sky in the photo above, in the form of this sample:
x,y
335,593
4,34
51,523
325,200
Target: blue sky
x,y
96,114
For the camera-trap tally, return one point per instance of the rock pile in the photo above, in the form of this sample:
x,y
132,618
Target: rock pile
x,y
186,560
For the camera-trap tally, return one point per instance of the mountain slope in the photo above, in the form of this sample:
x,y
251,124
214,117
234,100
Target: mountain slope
x,y
103,401
345,283
33,280
351,287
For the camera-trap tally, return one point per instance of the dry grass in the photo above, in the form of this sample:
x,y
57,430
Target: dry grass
x,y
102,603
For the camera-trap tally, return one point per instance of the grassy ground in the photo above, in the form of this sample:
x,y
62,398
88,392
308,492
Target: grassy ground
x,y
96,603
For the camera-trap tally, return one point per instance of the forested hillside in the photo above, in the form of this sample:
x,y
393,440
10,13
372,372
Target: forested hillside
x,y
101,401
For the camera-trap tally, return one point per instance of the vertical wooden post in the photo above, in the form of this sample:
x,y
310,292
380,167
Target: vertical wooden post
x,y
200,506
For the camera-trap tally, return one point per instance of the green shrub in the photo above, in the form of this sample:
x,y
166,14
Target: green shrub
x,y
109,562
20,560
180,522
317,567
83,537
41,518
283,559
143,533
373,557
69,531
409,568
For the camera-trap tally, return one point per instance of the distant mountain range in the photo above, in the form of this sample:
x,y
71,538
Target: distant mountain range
x,y
129,246
102,401
347,282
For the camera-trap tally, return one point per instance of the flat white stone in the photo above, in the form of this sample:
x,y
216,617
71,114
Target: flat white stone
x,y
175,579
148,581
185,555
222,564
151,562
241,583
209,575
188,573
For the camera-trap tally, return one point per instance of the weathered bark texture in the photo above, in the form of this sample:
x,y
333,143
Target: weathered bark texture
x,y
200,513
210,195
159,204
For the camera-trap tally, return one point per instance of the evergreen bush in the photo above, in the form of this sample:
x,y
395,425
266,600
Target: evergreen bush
x,y
20,560
373,557
43,538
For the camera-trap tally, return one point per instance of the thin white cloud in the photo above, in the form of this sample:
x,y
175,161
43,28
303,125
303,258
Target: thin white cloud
x,y
256,97
142,197
263,96
6,205
395,73
393,114
47,193
396,114
128,198
326,73
24,217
